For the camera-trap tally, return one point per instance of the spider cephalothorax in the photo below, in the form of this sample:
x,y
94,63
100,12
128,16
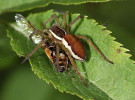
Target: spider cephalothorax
x,y
60,46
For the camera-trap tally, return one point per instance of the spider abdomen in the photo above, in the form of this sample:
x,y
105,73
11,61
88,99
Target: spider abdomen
x,y
74,45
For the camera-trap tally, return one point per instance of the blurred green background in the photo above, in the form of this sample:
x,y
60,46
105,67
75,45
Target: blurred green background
x,y
18,82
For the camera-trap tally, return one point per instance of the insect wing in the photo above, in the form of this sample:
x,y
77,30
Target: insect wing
x,y
26,27
24,24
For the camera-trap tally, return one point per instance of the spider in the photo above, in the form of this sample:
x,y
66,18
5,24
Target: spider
x,y
60,46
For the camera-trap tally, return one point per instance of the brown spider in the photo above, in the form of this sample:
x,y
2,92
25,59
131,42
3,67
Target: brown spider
x,y
58,43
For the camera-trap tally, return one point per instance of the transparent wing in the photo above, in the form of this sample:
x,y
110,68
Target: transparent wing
x,y
24,24
26,27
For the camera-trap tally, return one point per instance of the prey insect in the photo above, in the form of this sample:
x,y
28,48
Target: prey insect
x,y
50,50
60,46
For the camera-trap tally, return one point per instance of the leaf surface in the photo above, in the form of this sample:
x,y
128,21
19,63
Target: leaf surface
x,y
105,81
21,5
7,56
22,80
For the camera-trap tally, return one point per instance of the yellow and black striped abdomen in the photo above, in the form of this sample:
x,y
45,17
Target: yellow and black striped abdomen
x,y
62,65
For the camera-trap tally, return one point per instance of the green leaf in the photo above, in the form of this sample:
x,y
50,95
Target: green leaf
x,y
22,84
19,5
7,56
105,81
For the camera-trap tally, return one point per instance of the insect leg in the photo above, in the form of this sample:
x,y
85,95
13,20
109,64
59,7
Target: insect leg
x,y
56,19
74,65
27,57
69,25
64,21
96,49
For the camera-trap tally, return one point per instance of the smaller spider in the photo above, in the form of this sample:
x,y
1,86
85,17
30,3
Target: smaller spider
x,y
60,46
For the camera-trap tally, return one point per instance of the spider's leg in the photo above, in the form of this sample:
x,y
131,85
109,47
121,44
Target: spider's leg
x,y
74,65
35,31
54,16
30,37
96,49
69,25
64,21
27,57
57,56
